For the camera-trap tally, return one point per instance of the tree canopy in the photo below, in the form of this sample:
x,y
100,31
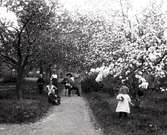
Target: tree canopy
x,y
20,44
47,34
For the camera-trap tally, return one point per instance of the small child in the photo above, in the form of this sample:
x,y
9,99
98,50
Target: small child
x,y
124,101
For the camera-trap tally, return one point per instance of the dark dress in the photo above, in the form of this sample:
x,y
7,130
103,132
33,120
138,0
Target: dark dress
x,y
67,85
54,97
55,82
70,85
40,83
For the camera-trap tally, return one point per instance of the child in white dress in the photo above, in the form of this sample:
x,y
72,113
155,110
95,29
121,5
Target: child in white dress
x,y
124,102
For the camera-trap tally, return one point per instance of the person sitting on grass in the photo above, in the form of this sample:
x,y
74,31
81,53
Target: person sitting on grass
x,y
124,102
53,96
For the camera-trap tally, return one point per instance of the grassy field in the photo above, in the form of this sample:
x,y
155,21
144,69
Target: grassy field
x,y
150,119
30,109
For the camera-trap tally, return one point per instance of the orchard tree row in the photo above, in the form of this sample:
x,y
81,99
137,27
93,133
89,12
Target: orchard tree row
x,y
45,34
39,35
130,48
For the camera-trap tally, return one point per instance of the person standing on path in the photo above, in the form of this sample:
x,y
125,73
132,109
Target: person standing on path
x,y
67,86
54,79
40,83
72,82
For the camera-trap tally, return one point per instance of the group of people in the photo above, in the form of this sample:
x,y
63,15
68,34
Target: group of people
x,y
69,84
123,98
52,87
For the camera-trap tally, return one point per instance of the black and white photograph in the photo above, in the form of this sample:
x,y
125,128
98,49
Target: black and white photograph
x,y
83,67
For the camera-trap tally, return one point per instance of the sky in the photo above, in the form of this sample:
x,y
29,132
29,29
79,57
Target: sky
x,y
94,7
105,7
8,16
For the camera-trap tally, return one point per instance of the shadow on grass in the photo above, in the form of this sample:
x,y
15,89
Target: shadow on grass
x,y
30,109
13,111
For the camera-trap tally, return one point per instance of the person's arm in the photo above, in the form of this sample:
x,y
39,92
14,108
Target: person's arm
x,y
130,101
132,104
49,91
119,98
46,90
54,87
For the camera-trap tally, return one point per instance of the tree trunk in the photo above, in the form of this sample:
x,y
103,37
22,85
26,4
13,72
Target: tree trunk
x,y
18,84
41,67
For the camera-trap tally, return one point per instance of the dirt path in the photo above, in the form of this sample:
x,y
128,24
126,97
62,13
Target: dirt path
x,y
72,117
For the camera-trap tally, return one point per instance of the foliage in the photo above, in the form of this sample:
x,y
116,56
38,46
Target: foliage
x,y
30,109
149,119
140,48
53,36
20,44
24,111
89,84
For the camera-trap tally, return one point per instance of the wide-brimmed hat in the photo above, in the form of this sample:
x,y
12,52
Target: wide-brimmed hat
x,y
69,74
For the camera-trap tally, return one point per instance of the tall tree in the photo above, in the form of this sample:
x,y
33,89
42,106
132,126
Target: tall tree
x,y
20,45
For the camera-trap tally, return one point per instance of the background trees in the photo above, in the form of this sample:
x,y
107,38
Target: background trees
x,y
46,34
20,44
141,48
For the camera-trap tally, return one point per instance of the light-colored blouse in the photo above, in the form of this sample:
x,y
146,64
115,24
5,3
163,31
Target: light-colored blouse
x,y
50,89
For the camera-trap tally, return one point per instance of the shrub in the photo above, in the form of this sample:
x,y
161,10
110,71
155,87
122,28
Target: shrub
x,y
150,119
31,108
89,84
111,85
14,111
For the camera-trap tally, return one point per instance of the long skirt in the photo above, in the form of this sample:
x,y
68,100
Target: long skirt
x,y
54,99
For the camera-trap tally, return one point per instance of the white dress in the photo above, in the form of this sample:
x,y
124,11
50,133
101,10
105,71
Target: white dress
x,y
123,106
51,89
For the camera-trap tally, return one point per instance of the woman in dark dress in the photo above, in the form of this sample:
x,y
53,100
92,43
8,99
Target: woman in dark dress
x,y
40,83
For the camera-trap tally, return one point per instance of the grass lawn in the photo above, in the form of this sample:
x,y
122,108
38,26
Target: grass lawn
x,y
30,109
150,119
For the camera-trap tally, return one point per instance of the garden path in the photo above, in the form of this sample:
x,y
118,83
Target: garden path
x,y
72,117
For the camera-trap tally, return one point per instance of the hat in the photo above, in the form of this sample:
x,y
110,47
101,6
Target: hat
x,y
68,74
